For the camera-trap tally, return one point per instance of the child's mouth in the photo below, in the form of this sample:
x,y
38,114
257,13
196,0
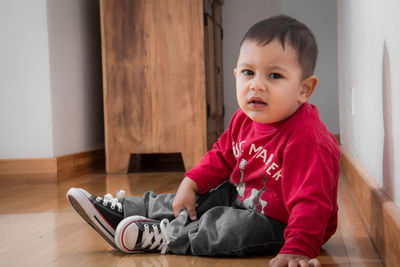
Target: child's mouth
x,y
257,103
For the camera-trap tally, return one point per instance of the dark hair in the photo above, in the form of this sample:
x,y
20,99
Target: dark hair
x,y
287,30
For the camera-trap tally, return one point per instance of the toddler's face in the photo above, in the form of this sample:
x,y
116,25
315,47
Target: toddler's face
x,y
269,84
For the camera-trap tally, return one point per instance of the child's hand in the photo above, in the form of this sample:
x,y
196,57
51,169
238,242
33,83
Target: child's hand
x,y
293,260
185,198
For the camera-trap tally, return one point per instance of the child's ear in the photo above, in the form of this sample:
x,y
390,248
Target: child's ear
x,y
235,72
307,88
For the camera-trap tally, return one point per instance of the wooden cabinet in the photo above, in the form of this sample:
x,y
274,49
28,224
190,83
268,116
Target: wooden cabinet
x,y
214,83
162,78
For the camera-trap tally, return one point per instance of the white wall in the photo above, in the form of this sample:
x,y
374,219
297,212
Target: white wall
x,y
25,110
367,73
50,86
75,75
238,16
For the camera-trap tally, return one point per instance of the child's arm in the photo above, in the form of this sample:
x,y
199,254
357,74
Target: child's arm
x,y
185,198
209,173
213,169
309,187
217,164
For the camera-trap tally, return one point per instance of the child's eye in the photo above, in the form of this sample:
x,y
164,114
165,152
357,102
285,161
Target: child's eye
x,y
247,72
275,76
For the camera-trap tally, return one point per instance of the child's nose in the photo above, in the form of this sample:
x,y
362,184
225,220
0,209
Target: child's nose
x,y
258,83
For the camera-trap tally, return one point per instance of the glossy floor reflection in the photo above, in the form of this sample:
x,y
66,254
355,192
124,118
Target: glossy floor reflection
x,y
38,227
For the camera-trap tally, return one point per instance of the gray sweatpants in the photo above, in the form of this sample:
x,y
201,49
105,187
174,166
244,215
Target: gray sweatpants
x,y
224,227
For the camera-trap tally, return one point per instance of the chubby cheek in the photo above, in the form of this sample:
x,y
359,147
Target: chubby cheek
x,y
240,96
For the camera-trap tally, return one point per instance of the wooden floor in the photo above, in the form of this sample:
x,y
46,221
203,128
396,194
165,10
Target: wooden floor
x,y
38,227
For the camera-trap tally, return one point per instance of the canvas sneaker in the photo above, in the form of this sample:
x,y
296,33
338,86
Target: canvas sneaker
x,y
139,234
103,214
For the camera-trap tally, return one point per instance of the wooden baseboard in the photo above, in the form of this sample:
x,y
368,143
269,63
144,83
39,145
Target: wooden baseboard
x,y
80,163
28,170
50,170
337,137
380,214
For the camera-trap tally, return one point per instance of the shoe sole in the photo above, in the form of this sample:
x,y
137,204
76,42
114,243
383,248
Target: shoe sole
x,y
120,233
79,200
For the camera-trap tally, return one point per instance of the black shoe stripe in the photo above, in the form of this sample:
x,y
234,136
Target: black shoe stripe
x,y
103,226
94,206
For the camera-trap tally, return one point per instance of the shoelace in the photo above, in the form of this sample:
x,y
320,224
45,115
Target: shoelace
x,y
115,202
160,238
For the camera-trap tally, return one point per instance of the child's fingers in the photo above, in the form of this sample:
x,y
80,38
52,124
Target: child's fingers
x,y
315,262
177,207
190,209
192,212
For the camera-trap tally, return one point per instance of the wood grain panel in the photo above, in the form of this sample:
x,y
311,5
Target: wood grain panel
x,y
208,7
210,77
178,86
127,95
218,13
154,86
380,214
219,86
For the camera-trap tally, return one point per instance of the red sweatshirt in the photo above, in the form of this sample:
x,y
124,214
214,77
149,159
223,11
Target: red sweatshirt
x,y
287,170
